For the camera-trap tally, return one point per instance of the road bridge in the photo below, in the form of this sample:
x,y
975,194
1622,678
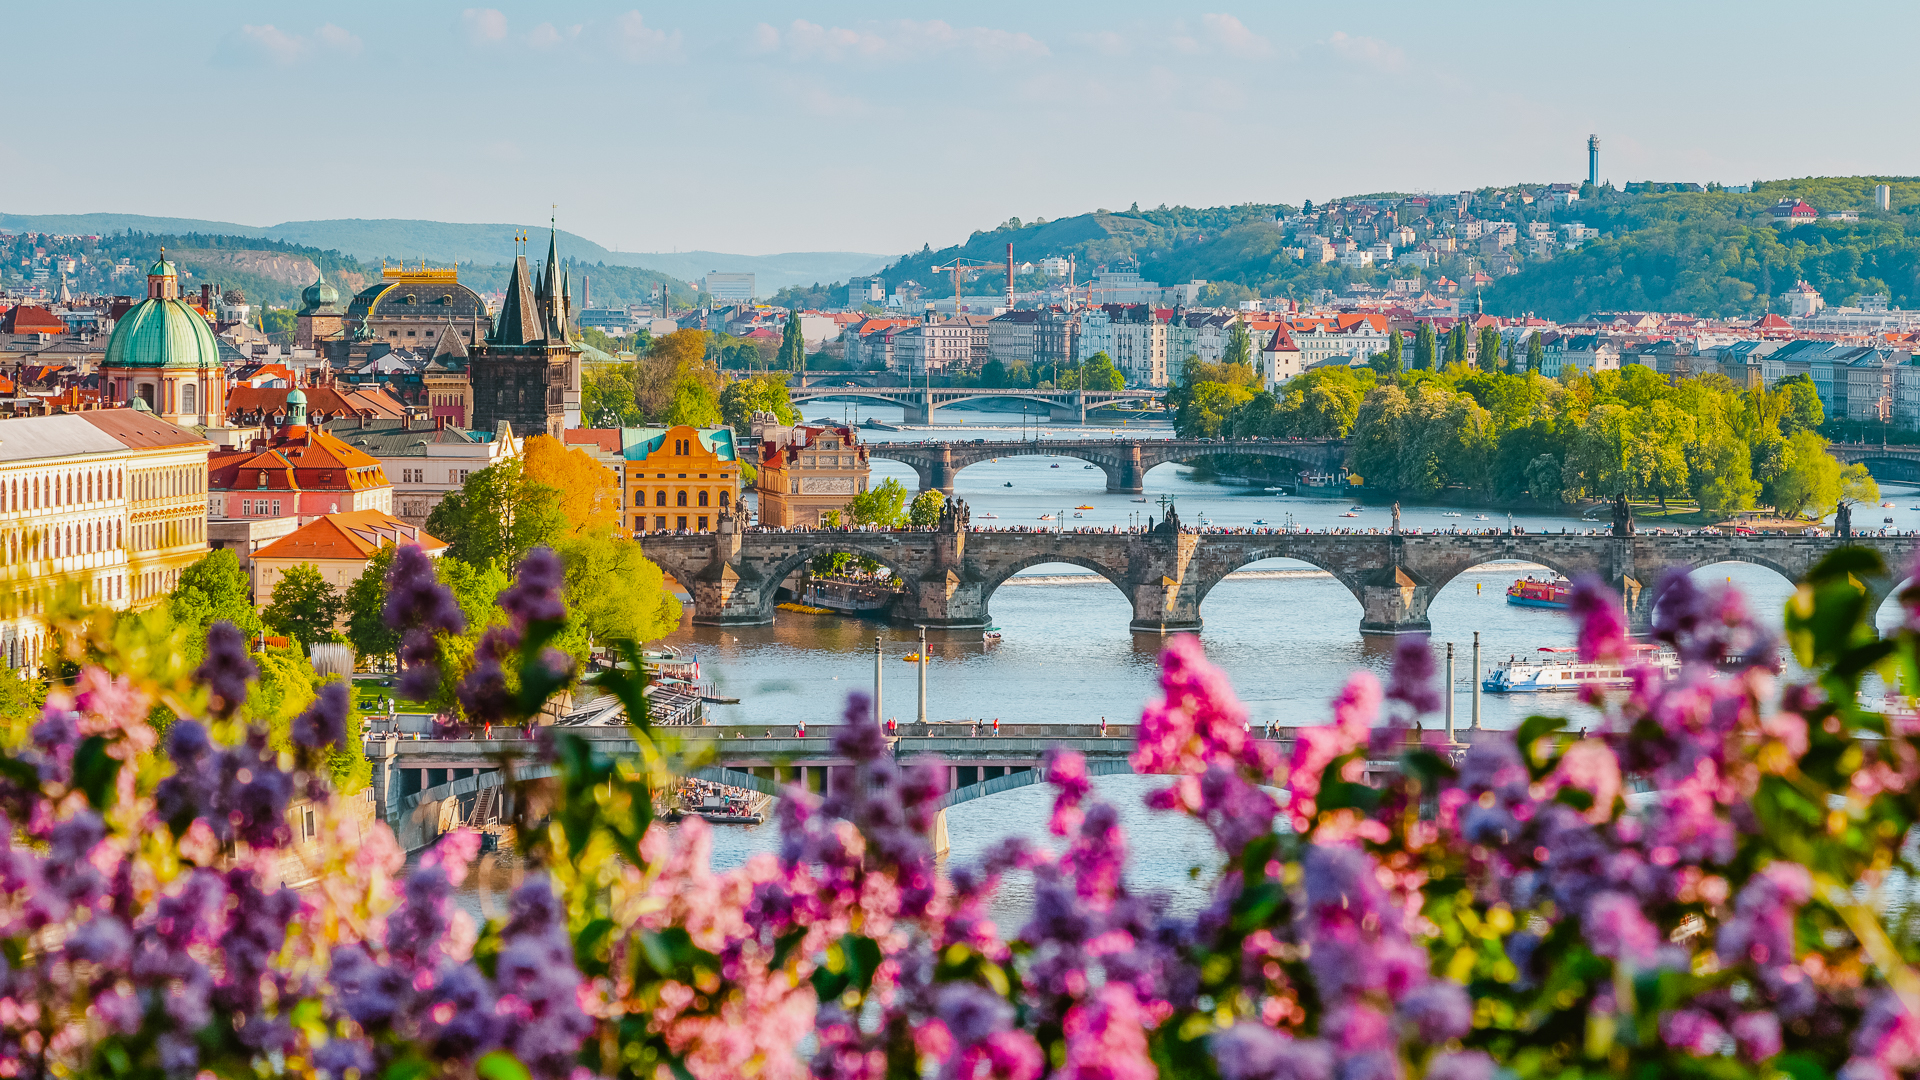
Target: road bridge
x,y
1899,464
425,787
950,572
920,403
1125,462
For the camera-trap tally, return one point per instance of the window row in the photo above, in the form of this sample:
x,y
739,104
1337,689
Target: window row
x,y
680,498
67,488
82,539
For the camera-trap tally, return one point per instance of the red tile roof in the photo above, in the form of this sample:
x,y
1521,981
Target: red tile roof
x,y
30,319
354,535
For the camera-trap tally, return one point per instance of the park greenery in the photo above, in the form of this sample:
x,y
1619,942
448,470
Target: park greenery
x,y
1701,876
1512,438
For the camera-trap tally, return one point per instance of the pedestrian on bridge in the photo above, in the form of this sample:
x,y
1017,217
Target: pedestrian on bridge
x,y
1103,727
996,727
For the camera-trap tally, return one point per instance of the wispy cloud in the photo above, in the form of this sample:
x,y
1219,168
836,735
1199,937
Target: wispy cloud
x,y
548,36
898,40
635,41
1232,36
484,24
1371,52
269,44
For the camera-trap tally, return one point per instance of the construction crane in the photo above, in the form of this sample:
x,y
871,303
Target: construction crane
x,y
960,266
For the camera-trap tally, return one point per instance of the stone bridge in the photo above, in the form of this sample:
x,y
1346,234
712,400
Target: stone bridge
x,y
1124,461
1063,406
1900,464
950,572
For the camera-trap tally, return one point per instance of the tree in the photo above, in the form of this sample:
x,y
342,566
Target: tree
x,y
589,492
1857,486
926,507
1423,347
212,589
693,404
1098,373
607,395
1801,410
1487,349
883,504
1206,408
993,373
304,607
1536,352
1810,476
498,515
1239,343
1394,364
671,362
1543,479
1596,463
365,605
1457,344
756,393
793,347
1657,451
613,592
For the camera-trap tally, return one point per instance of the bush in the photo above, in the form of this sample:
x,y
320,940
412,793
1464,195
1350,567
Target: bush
x,y
1516,908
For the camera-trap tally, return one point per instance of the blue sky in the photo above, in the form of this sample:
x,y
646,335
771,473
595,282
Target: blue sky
x,y
757,128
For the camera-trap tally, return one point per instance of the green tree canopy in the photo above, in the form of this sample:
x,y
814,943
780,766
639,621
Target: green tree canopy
x,y
883,504
925,509
498,515
212,589
1098,373
613,593
756,393
365,604
304,607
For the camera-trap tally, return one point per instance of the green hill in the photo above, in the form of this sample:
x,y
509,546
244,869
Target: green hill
x,y
441,242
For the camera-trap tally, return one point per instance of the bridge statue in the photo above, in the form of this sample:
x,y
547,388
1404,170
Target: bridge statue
x,y
1843,520
1622,516
955,516
1396,517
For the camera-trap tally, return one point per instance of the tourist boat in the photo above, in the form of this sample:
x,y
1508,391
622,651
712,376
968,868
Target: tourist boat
x,y
1261,521
1546,594
996,517
1278,489
1089,507
1480,517
1449,513
1560,669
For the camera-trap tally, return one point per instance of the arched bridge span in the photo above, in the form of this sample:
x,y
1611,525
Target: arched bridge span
x,y
951,572
1125,462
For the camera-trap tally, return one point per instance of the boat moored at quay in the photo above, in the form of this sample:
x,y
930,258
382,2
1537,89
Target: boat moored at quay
x,y
1558,668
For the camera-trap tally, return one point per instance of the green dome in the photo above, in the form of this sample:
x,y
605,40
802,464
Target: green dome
x,y
320,296
163,268
162,334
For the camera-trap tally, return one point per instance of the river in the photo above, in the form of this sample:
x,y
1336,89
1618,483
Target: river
x,y
1286,633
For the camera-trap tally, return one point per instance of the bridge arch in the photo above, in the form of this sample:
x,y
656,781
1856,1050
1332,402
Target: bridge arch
x,y
1353,583
1117,576
830,546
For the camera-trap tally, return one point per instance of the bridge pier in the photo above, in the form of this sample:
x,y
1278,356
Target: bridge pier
x,y
1130,477
1165,583
730,592
1073,411
1393,601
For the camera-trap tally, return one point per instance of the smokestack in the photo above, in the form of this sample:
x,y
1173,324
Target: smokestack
x,y
206,296
1070,270
1883,196
1593,160
1009,277
586,291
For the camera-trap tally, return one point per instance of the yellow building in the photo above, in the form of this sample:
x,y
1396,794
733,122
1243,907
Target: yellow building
x,y
679,477
113,501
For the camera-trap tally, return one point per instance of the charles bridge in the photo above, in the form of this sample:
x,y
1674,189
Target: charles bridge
x,y
1124,461
950,571
1900,464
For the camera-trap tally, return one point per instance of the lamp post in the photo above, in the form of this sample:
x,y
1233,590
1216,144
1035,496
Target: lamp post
x,y
923,675
877,658
1450,692
1476,680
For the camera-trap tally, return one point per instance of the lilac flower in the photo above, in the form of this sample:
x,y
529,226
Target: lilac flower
x,y
1758,1035
1412,679
1694,1031
1236,811
484,696
369,992
457,1015
324,723
227,668
416,597
1888,1034
535,593
341,1057
1250,1051
1603,628
1437,1012
1616,929
538,983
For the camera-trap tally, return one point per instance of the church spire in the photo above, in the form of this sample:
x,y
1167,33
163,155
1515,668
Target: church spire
x,y
551,304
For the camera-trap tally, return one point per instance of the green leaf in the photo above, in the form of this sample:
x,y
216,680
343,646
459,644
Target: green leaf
x,y
783,947
1800,1067
410,1067
1255,907
500,1065
1428,766
1530,732
94,771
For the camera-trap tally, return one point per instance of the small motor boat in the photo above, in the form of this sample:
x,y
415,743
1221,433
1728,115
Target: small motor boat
x,y
1349,514
1054,465
1083,507
1260,521
1355,509
912,658
1007,484
996,517
1140,500
1046,517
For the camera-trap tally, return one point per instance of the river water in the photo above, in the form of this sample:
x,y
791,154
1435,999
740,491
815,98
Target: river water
x,y
1287,633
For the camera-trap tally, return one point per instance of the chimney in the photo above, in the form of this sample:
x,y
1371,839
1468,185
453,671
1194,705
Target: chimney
x,y
440,423
206,296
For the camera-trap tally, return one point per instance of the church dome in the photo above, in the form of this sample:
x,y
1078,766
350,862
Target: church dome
x,y
320,296
162,333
